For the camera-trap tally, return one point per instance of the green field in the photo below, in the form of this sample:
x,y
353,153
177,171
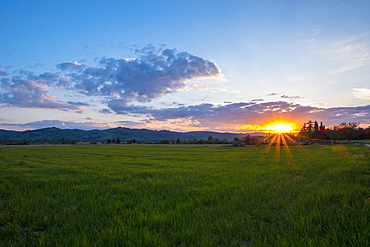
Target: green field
x,y
131,195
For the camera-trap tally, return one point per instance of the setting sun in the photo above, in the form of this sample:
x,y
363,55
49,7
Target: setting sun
x,y
280,128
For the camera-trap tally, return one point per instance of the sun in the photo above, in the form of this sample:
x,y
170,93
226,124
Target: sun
x,y
280,133
280,128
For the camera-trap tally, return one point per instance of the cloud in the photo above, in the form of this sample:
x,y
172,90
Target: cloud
x,y
232,117
33,94
105,111
3,72
348,54
120,106
151,74
361,93
70,66
272,94
290,97
59,124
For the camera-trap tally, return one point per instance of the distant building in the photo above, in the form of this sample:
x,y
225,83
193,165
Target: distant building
x,y
238,144
83,143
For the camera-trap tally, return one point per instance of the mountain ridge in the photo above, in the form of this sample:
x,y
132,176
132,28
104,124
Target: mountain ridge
x,y
50,134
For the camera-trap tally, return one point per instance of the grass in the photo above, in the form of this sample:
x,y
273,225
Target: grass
x,y
128,195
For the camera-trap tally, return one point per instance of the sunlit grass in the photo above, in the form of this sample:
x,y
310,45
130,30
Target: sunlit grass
x,y
184,196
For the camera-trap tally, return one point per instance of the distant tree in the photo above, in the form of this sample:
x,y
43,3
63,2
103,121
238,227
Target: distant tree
x,y
350,130
109,141
333,134
311,130
118,141
366,133
210,139
322,128
309,126
133,141
316,127
201,141
344,131
247,140
178,141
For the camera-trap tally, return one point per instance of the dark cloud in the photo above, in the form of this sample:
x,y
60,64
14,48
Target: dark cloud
x,y
272,94
59,124
105,111
77,103
121,107
255,100
131,124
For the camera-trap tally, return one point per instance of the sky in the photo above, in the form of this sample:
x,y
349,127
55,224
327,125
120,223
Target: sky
x,y
227,66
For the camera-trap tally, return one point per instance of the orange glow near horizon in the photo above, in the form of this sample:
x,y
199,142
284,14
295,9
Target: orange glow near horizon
x,y
280,128
280,134
277,126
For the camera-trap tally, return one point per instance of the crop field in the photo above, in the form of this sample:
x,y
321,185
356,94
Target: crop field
x,y
131,195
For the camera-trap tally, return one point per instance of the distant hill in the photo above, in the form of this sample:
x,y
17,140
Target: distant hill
x,y
124,134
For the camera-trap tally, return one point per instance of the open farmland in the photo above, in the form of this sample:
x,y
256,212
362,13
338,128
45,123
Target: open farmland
x,y
128,195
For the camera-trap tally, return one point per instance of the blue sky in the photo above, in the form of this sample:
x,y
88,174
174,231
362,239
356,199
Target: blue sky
x,y
183,65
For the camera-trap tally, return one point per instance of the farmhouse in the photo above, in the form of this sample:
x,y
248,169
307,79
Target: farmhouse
x,y
238,144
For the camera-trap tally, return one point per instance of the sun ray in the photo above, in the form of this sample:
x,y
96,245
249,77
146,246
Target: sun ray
x,y
280,136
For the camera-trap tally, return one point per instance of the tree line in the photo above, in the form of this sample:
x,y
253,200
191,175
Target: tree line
x,y
343,131
209,140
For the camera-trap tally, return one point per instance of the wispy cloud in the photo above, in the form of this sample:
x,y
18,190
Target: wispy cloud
x,y
347,55
59,124
361,93
70,66
290,97
272,94
3,72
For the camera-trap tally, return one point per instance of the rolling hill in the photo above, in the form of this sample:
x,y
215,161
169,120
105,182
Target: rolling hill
x,y
140,135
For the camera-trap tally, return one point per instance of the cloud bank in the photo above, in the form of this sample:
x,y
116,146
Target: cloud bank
x,y
58,124
33,94
153,73
238,116
234,117
122,83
